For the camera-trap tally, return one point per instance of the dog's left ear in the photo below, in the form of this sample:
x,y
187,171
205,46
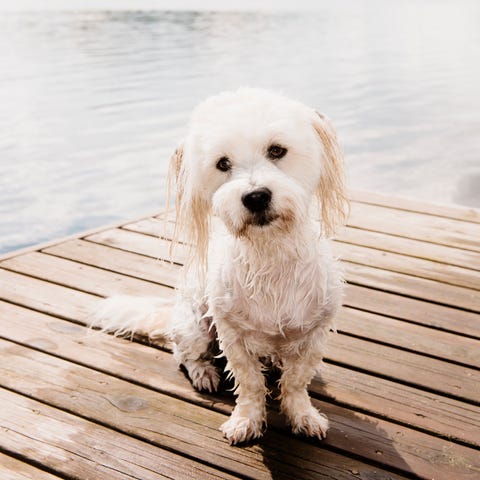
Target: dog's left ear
x,y
191,209
331,188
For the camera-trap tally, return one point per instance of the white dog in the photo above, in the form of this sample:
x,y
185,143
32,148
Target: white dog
x,y
263,281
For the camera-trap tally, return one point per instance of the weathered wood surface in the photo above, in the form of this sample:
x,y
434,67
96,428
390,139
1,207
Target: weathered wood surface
x,y
401,383
13,469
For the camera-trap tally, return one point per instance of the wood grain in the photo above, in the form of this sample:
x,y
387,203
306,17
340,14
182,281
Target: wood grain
x,y
413,310
116,260
142,244
414,205
420,288
416,248
159,420
82,449
404,264
415,338
437,230
82,277
13,469
157,369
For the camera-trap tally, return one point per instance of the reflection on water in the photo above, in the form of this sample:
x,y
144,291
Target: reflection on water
x,y
93,103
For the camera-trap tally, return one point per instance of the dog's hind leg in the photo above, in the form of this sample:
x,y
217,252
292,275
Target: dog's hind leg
x,y
193,337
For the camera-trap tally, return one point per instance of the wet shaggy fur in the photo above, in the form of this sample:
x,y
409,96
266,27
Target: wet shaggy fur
x,y
263,276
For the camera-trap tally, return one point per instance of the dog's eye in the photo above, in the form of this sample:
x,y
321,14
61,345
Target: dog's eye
x,y
224,164
275,152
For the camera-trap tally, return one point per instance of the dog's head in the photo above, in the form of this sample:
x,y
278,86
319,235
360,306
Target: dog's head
x,y
256,160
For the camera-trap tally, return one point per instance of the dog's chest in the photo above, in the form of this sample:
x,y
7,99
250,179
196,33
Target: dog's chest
x,y
284,298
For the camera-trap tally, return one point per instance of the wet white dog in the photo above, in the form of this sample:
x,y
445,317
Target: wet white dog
x,y
263,281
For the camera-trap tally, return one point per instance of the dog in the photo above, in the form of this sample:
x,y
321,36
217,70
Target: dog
x,y
259,191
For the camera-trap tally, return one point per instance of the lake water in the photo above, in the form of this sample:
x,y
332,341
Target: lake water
x,y
92,103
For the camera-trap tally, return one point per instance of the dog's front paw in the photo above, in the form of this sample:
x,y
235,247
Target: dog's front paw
x,y
242,429
311,423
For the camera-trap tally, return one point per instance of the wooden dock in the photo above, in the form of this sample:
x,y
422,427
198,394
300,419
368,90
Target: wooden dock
x,y
401,385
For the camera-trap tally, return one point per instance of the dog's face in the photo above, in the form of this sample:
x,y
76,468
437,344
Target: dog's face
x,y
256,159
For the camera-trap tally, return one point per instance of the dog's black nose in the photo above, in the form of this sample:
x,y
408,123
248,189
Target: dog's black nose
x,y
257,200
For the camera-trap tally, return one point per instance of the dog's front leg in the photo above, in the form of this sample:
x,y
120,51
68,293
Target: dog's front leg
x,y
304,418
249,415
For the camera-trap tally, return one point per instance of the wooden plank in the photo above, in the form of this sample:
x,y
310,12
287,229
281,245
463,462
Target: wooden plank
x,y
46,297
410,368
423,371
440,272
420,288
426,456
416,338
169,422
406,246
142,244
13,469
78,448
467,214
116,260
155,227
413,310
436,230
82,277
55,241
427,411
157,369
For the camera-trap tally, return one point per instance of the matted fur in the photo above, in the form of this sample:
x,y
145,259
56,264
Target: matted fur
x,y
264,284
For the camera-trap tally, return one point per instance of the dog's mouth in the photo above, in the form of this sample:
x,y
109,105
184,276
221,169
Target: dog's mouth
x,y
257,219
261,219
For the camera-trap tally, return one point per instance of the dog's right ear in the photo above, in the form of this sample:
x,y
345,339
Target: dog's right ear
x,y
192,211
